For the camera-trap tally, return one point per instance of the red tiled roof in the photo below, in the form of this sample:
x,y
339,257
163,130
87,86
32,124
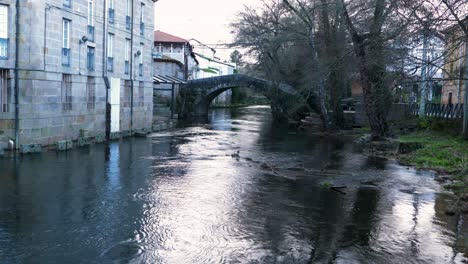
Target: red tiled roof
x,y
160,36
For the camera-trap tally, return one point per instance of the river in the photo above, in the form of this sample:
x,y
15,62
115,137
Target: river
x,y
237,189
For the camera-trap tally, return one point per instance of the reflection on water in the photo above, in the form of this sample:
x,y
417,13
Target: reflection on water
x,y
239,189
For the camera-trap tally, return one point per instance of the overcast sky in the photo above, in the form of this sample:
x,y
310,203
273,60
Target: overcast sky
x,y
205,20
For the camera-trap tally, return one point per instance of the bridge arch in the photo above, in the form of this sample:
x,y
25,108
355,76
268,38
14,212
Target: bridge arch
x,y
198,94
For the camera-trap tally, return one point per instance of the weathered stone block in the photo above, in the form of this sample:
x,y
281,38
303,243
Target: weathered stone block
x,y
84,133
101,137
30,148
127,133
64,145
156,127
115,136
82,142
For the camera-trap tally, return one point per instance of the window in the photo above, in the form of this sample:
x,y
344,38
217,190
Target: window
x,y
3,32
141,93
126,94
91,20
142,23
111,12
66,54
140,68
91,60
4,92
110,52
91,93
127,56
67,3
66,92
128,18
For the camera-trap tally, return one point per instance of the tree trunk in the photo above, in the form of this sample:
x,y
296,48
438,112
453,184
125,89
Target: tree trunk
x,y
374,89
465,110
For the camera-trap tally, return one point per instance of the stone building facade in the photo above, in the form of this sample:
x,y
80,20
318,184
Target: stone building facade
x,y
454,86
84,68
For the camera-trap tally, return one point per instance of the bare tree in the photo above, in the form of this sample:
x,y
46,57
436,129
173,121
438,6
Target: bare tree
x,y
373,25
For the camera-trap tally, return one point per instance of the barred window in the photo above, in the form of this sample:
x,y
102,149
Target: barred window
x,y
127,94
91,93
67,3
66,92
141,93
5,92
91,60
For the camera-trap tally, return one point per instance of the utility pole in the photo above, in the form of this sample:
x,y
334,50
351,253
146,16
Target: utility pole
x,y
423,90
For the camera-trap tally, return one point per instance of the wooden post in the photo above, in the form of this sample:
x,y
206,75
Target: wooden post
x,y
172,101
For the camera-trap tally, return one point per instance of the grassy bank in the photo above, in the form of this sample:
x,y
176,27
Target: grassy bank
x,y
442,152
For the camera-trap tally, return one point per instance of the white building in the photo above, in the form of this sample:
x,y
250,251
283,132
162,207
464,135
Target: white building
x,y
211,66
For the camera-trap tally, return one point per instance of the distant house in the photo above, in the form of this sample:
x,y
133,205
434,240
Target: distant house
x,y
453,89
173,56
212,66
173,59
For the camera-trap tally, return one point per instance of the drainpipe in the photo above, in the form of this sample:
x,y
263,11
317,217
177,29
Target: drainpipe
x,y
131,66
104,69
17,25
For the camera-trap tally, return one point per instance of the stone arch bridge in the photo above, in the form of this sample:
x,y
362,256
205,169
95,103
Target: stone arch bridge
x,y
197,95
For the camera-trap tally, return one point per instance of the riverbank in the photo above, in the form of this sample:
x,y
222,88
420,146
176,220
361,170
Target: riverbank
x,y
442,152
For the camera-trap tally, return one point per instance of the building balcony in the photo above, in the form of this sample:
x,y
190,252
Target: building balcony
x,y
111,15
110,64
91,33
66,56
127,67
3,48
128,22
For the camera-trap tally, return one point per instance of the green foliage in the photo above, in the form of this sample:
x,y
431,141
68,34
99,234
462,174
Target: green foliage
x,y
326,185
439,125
210,70
441,151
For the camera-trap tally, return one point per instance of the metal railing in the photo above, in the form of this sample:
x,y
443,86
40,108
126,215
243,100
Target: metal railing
x,y
66,56
3,48
445,111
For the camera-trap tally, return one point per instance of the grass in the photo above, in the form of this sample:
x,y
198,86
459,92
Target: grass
x,y
442,152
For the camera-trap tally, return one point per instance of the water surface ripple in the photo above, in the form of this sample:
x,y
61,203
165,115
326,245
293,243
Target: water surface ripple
x,y
237,189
